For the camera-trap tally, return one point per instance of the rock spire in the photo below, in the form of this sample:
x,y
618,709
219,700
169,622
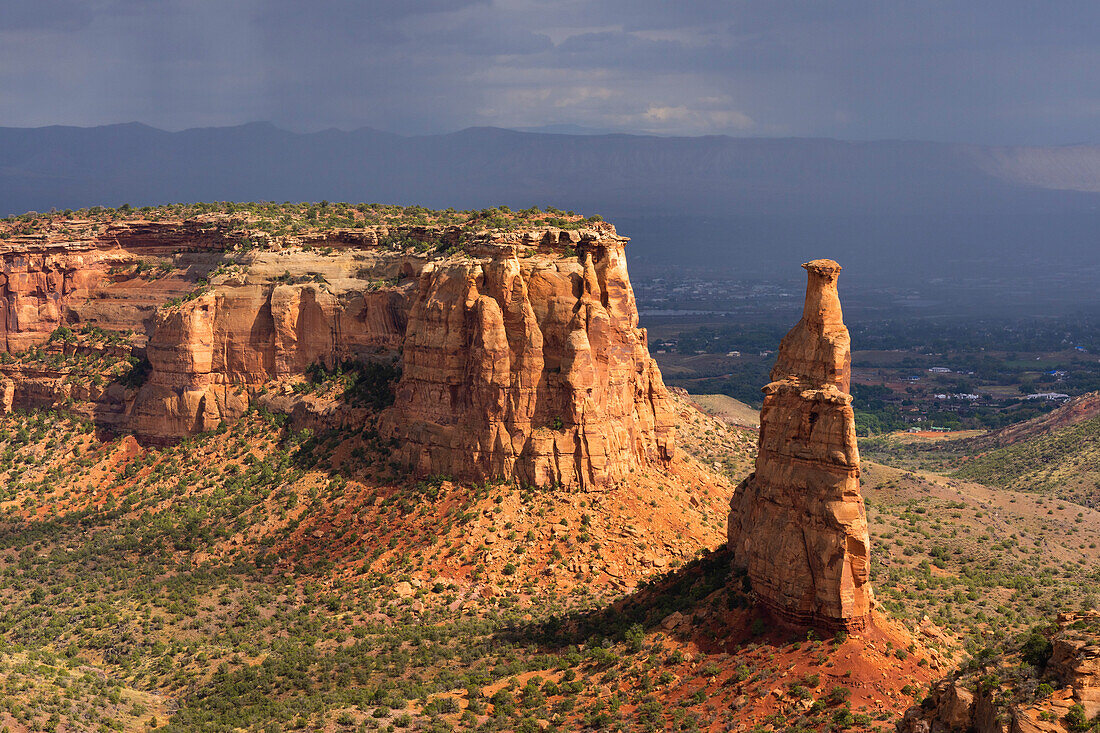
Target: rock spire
x,y
797,525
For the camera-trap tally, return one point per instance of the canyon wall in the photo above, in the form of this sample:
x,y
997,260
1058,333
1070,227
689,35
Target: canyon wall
x,y
50,280
797,525
265,321
519,351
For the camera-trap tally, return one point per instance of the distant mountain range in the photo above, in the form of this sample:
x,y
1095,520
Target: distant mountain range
x,y
890,210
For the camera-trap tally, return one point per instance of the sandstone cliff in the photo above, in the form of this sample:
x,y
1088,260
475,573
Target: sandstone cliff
x,y
265,320
531,367
106,277
798,524
519,349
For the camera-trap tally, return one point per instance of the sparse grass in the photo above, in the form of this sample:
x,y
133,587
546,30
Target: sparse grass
x,y
979,562
261,575
249,225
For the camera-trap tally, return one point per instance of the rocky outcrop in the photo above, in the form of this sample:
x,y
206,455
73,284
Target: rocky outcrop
x,y
958,707
520,351
211,353
1075,659
999,696
532,367
50,281
798,524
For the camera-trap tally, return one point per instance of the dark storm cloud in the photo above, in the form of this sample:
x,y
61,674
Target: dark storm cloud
x,y
984,70
355,12
45,14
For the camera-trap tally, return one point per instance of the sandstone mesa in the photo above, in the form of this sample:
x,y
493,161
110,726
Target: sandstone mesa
x,y
520,358
520,351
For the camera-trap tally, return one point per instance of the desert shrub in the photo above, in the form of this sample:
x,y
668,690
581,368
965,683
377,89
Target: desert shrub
x,y
1036,649
635,638
1075,718
366,383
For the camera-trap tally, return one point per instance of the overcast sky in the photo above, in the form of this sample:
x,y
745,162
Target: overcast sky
x,y
992,71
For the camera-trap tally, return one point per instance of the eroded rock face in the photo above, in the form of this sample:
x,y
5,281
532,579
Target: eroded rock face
x,y
1075,659
530,367
46,283
517,363
520,351
797,525
208,355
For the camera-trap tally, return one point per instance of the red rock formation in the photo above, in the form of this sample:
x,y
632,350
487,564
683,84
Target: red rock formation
x,y
531,367
208,354
798,524
46,281
521,352
966,701
1075,658
519,362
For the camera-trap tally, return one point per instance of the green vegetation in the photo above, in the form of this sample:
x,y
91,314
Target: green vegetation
x,y
250,224
271,578
1011,674
89,357
986,573
1066,462
226,572
1062,462
362,384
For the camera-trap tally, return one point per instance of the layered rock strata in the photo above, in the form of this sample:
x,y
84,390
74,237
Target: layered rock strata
x,y
797,525
520,352
49,282
1075,659
264,321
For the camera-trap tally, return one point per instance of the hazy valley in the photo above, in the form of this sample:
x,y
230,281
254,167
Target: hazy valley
x,y
988,230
